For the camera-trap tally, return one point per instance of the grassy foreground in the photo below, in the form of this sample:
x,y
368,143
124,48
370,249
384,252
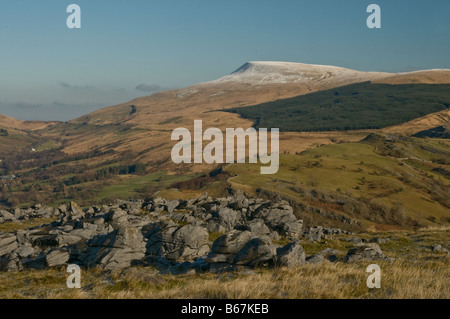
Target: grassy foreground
x,y
416,273
401,279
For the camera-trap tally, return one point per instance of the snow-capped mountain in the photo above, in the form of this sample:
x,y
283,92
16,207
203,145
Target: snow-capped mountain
x,y
271,72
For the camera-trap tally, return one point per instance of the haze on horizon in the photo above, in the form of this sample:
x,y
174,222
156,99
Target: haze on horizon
x,y
124,50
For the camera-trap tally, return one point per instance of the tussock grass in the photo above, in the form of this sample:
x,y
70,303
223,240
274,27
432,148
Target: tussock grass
x,y
423,278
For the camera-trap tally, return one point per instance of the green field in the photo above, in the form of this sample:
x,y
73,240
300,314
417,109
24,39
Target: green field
x,y
138,186
355,181
48,145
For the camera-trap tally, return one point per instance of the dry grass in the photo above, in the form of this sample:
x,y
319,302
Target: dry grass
x,y
23,225
427,278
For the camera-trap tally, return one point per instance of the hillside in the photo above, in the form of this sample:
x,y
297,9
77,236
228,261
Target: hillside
x,y
437,76
383,182
421,124
17,136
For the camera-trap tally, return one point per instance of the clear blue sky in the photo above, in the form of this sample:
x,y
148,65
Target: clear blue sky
x,y
50,72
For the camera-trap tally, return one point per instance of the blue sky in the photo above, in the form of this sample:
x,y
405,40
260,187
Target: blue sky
x,y
126,49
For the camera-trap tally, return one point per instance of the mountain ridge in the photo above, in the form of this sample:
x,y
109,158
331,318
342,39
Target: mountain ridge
x,y
301,78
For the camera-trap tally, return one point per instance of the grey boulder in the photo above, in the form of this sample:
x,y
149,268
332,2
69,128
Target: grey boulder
x,y
369,252
315,259
116,250
176,243
8,243
439,248
227,246
280,218
257,251
57,257
291,255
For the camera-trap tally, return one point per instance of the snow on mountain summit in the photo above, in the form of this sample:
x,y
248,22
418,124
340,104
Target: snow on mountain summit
x,y
267,72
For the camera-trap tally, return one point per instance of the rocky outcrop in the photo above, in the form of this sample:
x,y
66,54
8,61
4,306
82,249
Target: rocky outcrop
x,y
174,236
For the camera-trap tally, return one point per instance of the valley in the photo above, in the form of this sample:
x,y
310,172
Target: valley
x,y
93,159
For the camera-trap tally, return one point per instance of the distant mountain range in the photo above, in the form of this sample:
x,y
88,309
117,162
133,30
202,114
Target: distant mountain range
x,y
142,126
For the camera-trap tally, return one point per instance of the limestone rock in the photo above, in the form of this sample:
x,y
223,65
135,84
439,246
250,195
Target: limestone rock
x,y
57,257
7,216
227,218
256,252
315,259
116,250
257,227
38,263
8,264
227,246
8,243
369,252
439,248
291,255
189,242
171,205
280,217
25,251
315,234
